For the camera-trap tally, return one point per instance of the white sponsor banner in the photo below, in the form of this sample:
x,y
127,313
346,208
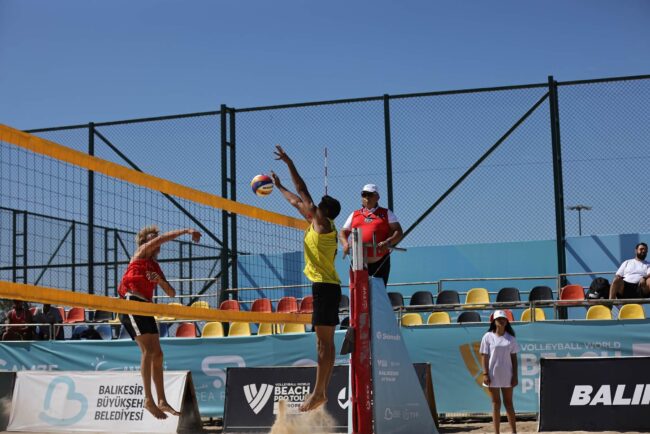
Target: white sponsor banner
x,y
90,401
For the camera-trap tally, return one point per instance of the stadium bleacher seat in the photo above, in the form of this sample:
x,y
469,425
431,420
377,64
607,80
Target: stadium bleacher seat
x,y
262,305
478,297
540,293
306,305
421,298
411,319
631,311
345,323
344,304
239,329
293,328
508,294
599,312
448,296
212,329
102,316
287,305
572,292
186,330
105,331
201,304
439,318
163,329
539,315
75,314
469,316
396,299
265,328
123,333
229,305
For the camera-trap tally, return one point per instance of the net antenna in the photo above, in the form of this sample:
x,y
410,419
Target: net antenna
x,y
325,170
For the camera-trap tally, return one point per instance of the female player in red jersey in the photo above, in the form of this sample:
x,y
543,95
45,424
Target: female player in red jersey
x,y
138,284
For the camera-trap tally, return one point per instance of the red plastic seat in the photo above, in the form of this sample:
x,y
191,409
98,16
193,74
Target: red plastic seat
x,y
262,305
307,304
229,305
76,314
186,330
287,305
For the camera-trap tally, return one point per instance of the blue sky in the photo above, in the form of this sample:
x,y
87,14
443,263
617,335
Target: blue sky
x,y
73,61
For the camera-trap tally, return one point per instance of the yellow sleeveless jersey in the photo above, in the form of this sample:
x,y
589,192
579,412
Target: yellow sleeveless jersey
x,y
320,250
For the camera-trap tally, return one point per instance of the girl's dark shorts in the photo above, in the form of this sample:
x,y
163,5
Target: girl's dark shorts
x,y
137,325
326,303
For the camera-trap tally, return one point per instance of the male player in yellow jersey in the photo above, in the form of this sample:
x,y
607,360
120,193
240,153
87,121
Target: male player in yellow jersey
x,y
320,249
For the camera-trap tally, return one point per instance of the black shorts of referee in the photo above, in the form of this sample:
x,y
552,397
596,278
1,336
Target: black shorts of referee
x,y
137,325
631,290
327,297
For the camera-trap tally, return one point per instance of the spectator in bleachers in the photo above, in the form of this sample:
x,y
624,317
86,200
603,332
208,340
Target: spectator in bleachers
x,y
376,223
499,350
19,315
49,315
632,277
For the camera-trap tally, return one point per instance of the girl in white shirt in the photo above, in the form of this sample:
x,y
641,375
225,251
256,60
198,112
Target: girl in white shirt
x,y
499,353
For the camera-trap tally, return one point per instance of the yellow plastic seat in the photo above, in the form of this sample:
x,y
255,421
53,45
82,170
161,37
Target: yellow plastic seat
x,y
478,297
539,315
213,330
201,304
599,312
239,329
266,328
411,319
293,328
168,318
439,318
631,311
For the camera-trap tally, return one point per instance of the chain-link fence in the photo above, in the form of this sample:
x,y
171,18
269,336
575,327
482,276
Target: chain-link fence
x,y
457,167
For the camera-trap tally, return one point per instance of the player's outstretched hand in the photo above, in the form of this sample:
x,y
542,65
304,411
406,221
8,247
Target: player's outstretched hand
x,y
280,154
196,235
276,179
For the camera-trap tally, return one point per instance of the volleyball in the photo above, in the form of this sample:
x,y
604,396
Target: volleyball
x,y
262,185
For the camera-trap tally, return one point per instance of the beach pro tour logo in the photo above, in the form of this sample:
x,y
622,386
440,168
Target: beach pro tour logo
x,y
257,398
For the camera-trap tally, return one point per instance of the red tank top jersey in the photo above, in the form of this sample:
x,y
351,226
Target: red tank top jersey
x,y
372,223
135,278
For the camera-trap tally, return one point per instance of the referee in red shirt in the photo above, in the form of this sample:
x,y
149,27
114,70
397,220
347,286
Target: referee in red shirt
x,y
378,225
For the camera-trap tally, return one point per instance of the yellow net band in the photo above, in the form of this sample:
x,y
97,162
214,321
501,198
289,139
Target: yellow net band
x,y
40,294
62,153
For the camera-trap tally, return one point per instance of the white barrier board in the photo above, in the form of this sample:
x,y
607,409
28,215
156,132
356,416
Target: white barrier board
x,y
74,401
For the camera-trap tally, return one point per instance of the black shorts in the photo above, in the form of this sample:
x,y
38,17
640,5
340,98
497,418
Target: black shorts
x,y
137,325
631,290
327,297
380,269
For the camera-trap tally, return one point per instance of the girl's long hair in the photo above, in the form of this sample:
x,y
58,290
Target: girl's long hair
x,y
493,327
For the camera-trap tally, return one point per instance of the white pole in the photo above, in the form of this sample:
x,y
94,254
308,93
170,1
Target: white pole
x,y
325,170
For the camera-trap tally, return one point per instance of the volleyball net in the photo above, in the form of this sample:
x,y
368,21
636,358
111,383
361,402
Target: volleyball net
x,y
68,221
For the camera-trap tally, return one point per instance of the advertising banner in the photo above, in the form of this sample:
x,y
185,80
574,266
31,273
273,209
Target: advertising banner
x,y
452,351
100,402
595,394
253,394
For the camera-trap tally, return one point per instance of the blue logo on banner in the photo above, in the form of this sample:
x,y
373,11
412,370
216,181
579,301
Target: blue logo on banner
x,y
400,405
71,396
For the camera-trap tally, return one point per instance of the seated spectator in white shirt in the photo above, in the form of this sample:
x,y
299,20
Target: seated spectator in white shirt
x,y
631,280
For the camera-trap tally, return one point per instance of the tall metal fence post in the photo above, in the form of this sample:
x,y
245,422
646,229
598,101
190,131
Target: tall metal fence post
x,y
91,212
560,230
233,196
224,214
389,158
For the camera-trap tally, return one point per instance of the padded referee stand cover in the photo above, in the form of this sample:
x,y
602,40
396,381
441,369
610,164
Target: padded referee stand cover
x,y
399,403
